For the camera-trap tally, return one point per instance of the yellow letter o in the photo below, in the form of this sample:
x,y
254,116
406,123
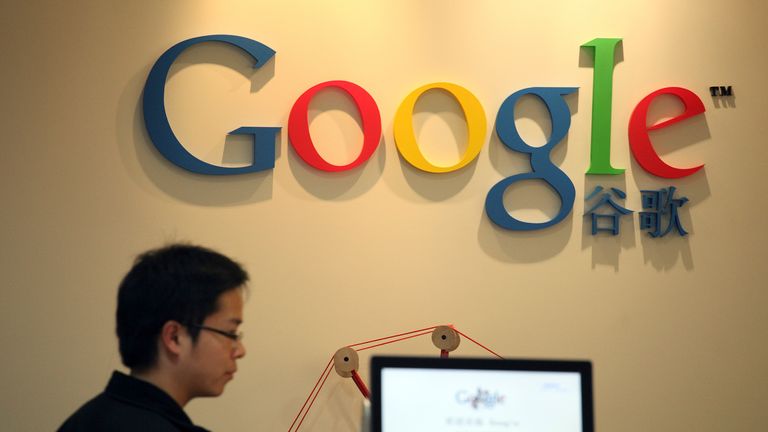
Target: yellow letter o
x,y
405,139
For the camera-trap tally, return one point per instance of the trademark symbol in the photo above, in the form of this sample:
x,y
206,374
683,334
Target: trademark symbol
x,y
722,96
721,91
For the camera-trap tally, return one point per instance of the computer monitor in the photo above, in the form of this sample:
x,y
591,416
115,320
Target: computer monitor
x,y
419,394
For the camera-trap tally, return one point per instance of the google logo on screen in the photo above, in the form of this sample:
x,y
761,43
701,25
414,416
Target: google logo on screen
x,y
542,167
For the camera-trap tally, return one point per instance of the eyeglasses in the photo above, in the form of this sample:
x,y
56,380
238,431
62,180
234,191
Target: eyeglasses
x,y
235,336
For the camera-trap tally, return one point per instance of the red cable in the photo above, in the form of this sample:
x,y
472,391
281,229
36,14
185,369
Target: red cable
x,y
479,344
361,385
310,393
393,336
327,371
313,400
393,341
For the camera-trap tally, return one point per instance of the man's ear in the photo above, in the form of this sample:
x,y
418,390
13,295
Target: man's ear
x,y
170,336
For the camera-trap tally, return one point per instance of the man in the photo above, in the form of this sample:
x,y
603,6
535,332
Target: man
x,y
178,312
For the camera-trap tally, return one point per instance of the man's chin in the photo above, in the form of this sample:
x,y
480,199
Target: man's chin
x,y
212,392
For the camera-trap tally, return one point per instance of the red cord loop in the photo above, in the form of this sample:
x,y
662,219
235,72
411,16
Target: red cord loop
x,y
358,381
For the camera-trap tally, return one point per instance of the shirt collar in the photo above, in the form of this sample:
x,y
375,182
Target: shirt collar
x,y
140,393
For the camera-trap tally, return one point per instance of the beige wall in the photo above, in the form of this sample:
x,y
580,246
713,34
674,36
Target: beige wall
x,y
676,327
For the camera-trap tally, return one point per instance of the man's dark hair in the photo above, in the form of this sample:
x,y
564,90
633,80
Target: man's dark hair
x,y
178,282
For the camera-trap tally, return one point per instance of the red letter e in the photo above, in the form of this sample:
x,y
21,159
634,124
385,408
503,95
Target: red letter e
x,y
640,142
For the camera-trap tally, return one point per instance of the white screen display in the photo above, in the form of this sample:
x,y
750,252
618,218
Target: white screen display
x,y
456,400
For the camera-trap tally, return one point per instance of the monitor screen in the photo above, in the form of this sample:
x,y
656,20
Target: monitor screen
x,y
412,394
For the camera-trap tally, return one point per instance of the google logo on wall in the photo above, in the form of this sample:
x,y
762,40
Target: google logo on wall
x,y
542,168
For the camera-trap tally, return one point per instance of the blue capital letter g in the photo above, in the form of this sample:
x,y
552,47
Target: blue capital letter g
x,y
160,131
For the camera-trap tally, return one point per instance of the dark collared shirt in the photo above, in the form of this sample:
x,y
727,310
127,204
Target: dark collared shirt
x,y
129,404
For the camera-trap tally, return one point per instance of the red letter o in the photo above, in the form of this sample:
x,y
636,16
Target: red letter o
x,y
298,126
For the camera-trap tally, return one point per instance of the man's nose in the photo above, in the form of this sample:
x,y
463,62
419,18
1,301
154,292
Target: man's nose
x,y
240,350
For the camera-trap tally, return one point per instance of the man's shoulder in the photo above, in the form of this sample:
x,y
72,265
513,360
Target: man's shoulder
x,y
130,404
106,413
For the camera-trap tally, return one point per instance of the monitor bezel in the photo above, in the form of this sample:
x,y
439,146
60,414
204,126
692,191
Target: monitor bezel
x,y
583,367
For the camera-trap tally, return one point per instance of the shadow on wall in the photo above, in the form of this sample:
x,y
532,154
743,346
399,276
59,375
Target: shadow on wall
x,y
344,185
142,160
724,101
523,246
